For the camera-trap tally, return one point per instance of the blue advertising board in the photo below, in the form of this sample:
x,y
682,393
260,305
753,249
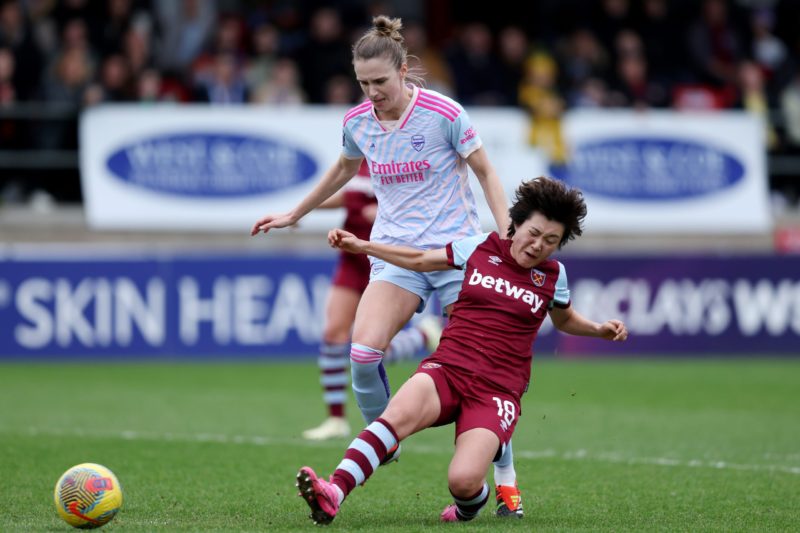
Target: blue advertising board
x,y
170,305
196,305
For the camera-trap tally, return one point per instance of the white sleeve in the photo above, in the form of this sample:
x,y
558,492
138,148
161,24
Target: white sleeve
x,y
464,248
561,296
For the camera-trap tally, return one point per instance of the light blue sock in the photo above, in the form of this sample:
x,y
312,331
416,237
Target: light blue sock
x,y
370,384
504,472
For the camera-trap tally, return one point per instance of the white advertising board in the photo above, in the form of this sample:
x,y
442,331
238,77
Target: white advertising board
x,y
221,168
669,172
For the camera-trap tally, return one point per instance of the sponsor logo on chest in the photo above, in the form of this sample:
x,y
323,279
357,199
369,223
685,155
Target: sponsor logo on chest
x,y
502,286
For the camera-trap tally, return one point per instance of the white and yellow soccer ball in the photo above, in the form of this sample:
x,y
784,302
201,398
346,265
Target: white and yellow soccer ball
x,y
88,495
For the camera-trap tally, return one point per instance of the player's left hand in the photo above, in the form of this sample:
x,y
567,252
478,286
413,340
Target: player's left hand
x,y
339,238
614,330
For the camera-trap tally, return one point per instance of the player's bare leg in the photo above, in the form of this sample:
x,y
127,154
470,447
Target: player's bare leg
x,y
466,476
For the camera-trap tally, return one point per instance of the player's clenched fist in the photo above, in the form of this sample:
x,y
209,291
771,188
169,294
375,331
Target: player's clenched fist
x,y
344,240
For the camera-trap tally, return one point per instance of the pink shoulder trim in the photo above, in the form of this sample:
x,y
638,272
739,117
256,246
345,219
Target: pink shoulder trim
x,y
357,110
438,104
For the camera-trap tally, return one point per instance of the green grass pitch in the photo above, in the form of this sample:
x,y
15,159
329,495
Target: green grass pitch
x,y
621,445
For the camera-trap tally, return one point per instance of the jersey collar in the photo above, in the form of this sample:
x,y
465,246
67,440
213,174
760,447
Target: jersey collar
x,y
406,112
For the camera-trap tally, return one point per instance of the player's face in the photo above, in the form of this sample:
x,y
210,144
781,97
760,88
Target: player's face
x,y
384,85
535,239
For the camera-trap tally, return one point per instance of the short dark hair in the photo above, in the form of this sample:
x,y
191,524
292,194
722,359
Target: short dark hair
x,y
553,199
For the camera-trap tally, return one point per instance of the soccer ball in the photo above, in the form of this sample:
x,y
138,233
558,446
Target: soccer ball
x,y
88,495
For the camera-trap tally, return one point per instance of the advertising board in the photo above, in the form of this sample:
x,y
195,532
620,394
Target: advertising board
x,y
194,305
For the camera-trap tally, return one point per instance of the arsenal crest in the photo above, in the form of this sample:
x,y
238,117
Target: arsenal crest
x,y
418,142
538,277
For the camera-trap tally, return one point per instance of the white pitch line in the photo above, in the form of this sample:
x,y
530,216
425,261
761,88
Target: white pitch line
x,y
575,455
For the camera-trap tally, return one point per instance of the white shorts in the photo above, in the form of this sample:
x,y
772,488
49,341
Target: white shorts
x,y
445,283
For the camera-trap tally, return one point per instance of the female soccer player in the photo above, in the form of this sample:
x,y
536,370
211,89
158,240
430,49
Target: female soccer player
x,y
477,375
417,144
349,281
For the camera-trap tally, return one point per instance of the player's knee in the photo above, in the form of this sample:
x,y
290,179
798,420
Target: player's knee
x,y
464,483
336,331
335,336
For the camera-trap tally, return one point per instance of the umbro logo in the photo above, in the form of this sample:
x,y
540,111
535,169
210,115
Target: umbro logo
x,y
493,259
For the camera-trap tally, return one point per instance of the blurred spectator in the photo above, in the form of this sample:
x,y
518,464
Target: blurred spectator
x,y
148,87
283,88
769,52
173,89
265,42
229,39
539,96
513,46
434,69
185,28
790,107
753,98
339,90
68,77
325,54
592,93
225,85
137,49
16,35
115,79
632,86
665,54
612,17
8,94
114,24
66,83
715,45
11,134
475,67
584,63
287,17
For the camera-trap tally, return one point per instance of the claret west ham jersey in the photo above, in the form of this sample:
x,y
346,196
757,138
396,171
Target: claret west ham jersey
x,y
499,310
418,169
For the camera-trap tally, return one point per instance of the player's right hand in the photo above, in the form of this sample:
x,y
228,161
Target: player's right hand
x,y
268,222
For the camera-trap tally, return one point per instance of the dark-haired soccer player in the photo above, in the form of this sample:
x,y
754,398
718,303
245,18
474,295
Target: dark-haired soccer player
x,y
480,370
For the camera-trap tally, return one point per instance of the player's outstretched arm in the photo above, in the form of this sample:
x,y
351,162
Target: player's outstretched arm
x,y
478,161
570,321
334,178
402,256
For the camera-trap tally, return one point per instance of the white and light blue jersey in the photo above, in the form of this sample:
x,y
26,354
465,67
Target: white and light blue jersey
x,y
418,170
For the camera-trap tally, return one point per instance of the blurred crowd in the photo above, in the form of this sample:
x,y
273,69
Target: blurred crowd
x,y
704,54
